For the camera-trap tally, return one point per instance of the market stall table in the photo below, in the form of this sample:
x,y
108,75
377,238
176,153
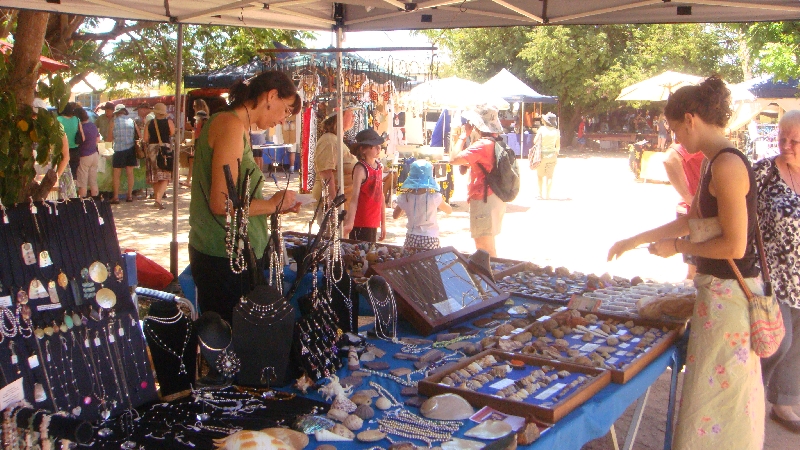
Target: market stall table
x,y
105,174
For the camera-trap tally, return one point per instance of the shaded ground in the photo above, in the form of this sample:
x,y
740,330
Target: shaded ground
x,y
595,202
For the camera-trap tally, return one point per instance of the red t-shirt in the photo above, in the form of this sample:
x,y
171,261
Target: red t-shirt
x,y
691,168
581,129
480,152
370,198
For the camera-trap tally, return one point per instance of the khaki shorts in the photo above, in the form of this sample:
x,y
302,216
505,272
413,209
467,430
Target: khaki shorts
x,y
547,167
486,218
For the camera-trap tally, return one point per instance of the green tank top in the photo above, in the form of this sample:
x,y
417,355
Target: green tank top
x,y
207,233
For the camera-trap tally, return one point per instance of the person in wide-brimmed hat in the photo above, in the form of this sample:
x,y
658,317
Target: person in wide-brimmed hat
x,y
546,146
103,121
326,159
366,210
420,200
486,210
158,134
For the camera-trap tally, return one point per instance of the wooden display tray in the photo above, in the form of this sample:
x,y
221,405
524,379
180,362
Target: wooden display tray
x,y
650,354
514,267
430,386
408,298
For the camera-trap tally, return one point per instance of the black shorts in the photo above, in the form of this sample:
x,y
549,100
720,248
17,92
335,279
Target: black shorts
x,y
124,158
364,234
258,153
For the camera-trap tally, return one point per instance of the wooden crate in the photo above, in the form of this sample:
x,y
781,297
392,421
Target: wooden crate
x,y
430,386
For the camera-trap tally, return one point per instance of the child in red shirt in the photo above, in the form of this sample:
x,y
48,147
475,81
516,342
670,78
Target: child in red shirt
x,y
366,210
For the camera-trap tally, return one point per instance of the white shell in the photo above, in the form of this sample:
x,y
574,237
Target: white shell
x,y
490,429
383,404
462,444
251,439
344,403
353,422
295,439
341,430
337,414
447,407
328,436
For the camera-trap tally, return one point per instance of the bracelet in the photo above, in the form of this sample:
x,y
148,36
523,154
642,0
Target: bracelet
x,y
675,244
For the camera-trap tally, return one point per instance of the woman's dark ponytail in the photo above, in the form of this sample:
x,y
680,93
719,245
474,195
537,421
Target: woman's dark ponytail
x,y
710,100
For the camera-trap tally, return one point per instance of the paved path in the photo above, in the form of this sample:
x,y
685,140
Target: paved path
x,y
595,202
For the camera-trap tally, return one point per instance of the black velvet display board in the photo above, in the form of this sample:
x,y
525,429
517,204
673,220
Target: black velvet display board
x,y
90,361
173,347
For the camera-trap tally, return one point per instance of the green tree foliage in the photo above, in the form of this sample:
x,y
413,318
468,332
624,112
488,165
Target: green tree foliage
x,y
587,66
777,48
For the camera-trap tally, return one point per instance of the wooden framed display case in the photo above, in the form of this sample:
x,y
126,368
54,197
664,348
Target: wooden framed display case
x,y
627,358
539,404
435,290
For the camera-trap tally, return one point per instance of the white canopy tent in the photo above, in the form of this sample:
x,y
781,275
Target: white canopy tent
x,y
365,15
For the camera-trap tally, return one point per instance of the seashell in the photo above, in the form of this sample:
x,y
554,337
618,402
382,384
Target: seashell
x,y
367,356
364,412
353,422
402,446
326,447
462,444
372,393
587,337
309,424
383,404
251,439
504,330
550,324
295,439
337,414
612,340
528,434
626,337
343,431
361,399
523,337
447,407
344,403
557,333
329,436
370,436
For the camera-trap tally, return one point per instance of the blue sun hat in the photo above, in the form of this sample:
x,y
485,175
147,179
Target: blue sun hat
x,y
420,176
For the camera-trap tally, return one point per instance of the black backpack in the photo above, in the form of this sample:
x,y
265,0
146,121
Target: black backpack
x,y
504,177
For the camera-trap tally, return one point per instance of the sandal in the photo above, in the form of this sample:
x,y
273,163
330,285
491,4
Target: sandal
x,y
159,205
129,199
114,201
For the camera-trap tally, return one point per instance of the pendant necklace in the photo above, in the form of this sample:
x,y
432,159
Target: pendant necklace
x,y
150,333
227,363
789,169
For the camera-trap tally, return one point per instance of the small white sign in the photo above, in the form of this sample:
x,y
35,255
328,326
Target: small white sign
x,y
589,348
5,301
12,393
33,362
542,319
547,393
504,383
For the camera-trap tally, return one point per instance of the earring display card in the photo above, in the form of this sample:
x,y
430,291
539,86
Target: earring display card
x,y
436,290
69,326
519,385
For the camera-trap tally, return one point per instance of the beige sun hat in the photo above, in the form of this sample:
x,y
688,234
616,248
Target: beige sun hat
x,y
160,110
484,118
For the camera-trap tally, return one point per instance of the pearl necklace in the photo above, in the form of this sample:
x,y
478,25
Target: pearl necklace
x,y
150,333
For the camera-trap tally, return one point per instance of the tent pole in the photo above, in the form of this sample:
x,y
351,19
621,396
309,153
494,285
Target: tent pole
x,y
521,128
340,116
173,246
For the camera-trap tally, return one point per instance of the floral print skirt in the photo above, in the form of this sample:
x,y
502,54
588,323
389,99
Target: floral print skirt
x,y
722,402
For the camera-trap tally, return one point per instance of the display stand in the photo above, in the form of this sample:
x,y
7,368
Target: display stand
x,y
172,341
70,326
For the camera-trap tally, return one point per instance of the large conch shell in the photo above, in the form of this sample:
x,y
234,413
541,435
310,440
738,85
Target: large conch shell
x,y
251,439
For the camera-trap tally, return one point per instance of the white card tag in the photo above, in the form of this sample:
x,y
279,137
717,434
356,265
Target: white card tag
x,y
12,393
5,301
547,393
504,383
589,348
44,259
33,362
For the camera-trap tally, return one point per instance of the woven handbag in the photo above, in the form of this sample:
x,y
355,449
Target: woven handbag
x,y
766,322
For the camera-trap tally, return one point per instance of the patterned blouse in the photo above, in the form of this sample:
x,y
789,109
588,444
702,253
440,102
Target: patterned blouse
x,y
779,219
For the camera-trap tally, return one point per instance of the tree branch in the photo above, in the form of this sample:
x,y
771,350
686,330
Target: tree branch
x,y
118,30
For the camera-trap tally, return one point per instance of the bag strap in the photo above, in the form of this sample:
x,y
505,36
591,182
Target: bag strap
x,y
158,132
747,292
764,268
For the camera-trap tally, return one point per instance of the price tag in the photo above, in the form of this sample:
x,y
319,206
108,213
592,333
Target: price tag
x,y
5,301
543,318
612,360
635,340
33,361
11,394
505,382
621,332
620,353
547,393
589,348
517,331
624,345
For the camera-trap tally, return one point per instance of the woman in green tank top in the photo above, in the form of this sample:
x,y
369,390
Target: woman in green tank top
x,y
263,101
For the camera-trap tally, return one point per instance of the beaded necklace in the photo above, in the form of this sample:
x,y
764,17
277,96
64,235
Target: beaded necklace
x,y
382,324
151,334
227,363
263,315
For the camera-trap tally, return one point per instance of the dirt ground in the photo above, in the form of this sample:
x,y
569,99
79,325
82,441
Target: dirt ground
x,y
596,201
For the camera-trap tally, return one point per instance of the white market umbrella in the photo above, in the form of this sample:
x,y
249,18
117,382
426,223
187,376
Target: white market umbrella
x,y
454,93
659,87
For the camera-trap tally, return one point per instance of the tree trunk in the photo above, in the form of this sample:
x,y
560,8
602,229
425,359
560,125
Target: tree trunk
x,y
28,41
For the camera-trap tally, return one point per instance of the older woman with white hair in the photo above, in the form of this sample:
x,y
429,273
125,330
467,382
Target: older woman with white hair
x,y
778,180
157,134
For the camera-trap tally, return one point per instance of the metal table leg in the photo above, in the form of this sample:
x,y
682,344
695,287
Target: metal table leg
x,y
613,435
673,388
638,412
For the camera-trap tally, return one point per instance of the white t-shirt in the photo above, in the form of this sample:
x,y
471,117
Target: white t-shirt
x,y
421,211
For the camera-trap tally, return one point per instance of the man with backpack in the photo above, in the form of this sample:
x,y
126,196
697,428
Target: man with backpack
x,y
494,175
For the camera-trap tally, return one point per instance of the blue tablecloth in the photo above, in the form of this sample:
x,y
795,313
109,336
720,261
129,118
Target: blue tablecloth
x,y
280,155
590,421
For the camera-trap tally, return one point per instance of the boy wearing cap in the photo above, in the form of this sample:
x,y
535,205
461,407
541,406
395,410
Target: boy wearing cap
x,y
366,210
485,214
103,121
123,133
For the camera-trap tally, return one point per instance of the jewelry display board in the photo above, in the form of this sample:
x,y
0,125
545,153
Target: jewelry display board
x,y
624,347
435,289
519,385
70,329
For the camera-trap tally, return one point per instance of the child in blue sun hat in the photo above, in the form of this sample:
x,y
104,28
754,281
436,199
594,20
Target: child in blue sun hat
x,y
420,201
